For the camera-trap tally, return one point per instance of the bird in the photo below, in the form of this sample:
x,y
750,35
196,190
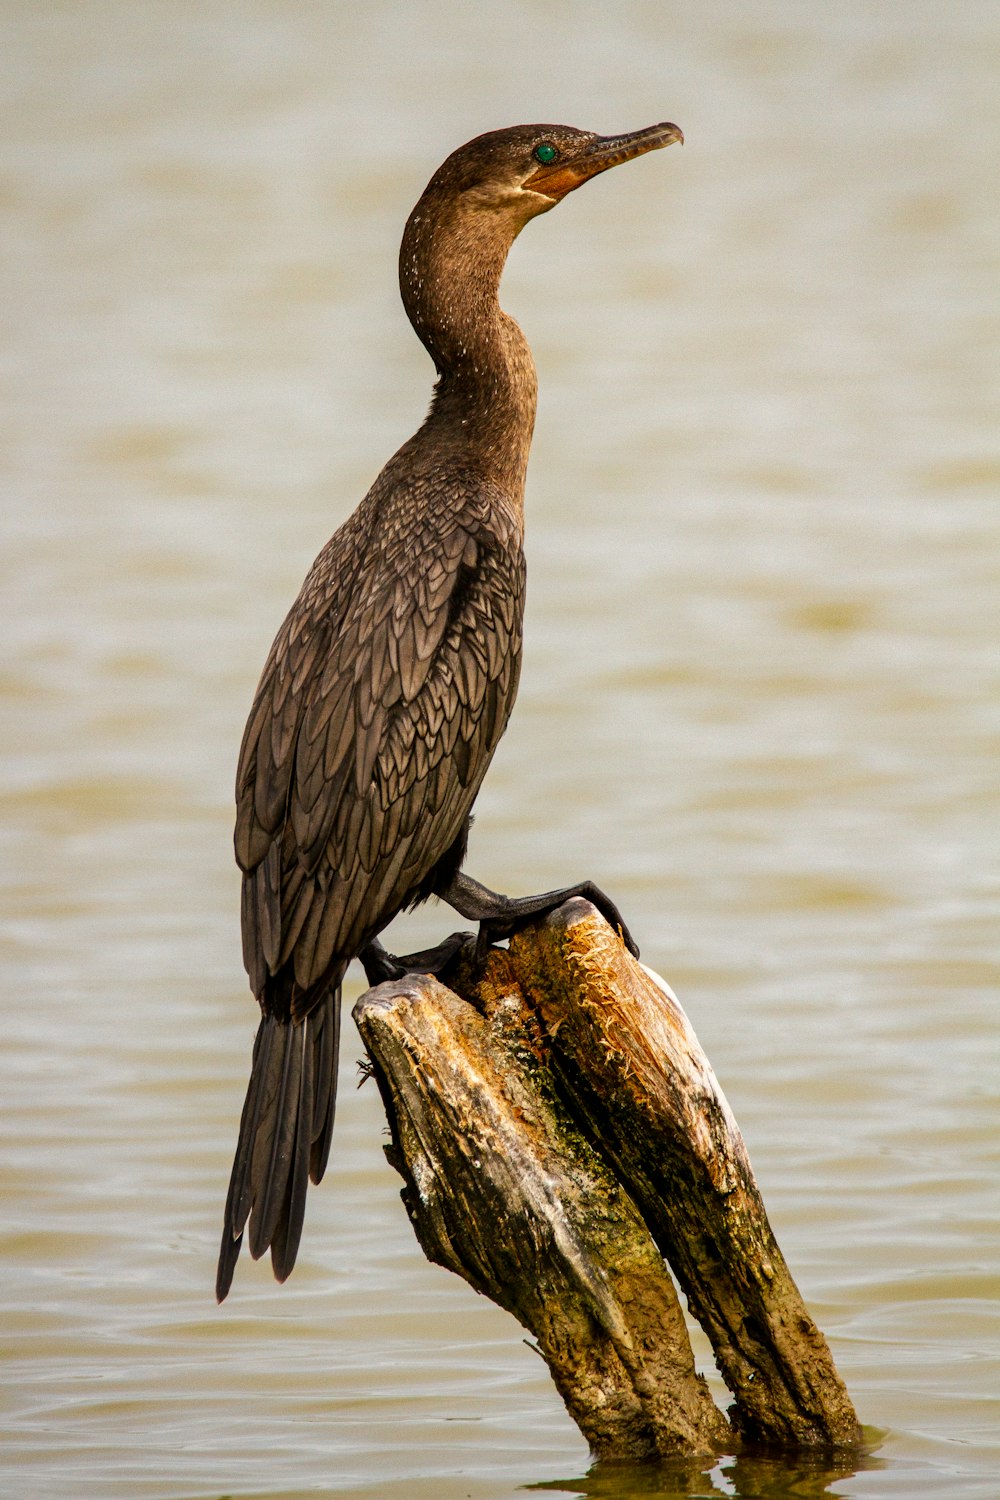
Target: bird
x,y
392,679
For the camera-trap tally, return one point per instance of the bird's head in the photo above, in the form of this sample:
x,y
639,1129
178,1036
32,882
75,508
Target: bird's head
x,y
528,169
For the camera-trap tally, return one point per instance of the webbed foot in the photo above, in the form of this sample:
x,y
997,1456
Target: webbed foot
x,y
500,916
380,965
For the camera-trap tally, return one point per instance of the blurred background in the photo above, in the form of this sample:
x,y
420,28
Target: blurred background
x,y
759,698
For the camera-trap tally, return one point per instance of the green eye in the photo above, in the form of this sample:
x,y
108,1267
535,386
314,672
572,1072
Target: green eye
x,y
545,154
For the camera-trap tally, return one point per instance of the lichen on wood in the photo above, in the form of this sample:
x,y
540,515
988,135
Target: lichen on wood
x,y
560,1132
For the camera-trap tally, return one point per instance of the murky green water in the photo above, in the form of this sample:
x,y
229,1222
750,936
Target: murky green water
x,y
759,700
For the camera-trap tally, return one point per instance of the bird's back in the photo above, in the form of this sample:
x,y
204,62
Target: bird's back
x,y
382,701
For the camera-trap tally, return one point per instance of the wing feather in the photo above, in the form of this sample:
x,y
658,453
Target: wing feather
x,y
379,709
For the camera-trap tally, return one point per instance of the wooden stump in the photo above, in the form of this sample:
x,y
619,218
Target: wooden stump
x,y
560,1132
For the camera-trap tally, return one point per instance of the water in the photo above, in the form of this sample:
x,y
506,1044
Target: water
x,y
758,703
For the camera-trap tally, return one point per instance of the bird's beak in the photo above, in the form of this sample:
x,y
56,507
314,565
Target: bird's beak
x,y
563,176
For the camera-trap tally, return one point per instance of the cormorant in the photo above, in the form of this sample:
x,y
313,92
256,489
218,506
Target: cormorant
x,y
393,677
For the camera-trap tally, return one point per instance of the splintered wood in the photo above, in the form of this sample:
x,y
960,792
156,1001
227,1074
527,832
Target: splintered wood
x,y
561,1135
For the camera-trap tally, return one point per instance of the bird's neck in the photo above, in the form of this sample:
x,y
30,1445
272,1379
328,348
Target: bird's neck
x,y
483,411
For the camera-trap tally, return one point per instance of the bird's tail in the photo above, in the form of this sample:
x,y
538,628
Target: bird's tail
x,y
284,1137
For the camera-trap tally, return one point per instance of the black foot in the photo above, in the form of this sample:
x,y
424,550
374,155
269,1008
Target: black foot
x,y
500,917
381,965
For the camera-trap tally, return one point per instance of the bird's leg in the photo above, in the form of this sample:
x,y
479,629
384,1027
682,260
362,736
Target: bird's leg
x,y
500,916
380,965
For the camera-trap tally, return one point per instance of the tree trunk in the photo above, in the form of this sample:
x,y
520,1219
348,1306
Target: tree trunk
x,y
560,1132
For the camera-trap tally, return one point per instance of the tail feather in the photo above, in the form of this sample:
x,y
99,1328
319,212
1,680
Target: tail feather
x,y
239,1198
284,1137
325,1103
292,1207
272,1150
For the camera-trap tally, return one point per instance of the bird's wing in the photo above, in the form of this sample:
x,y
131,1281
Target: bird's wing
x,y
368,739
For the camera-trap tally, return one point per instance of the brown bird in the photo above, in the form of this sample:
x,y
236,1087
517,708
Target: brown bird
x,y
393,677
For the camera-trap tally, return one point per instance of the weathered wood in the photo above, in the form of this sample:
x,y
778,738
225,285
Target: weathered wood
x,y
501,1188
551,1126
622,1045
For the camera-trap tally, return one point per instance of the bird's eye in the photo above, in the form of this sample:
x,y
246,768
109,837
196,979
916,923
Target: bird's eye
x,y
545,153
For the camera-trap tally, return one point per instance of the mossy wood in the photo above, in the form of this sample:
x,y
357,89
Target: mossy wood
x,y
560,1131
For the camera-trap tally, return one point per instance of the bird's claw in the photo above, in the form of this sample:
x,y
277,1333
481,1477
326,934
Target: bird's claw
x,y
498,929
615,921
381,966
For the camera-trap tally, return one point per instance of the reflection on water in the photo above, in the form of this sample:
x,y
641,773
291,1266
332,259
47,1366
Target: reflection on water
x,y
758,700
747,1477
